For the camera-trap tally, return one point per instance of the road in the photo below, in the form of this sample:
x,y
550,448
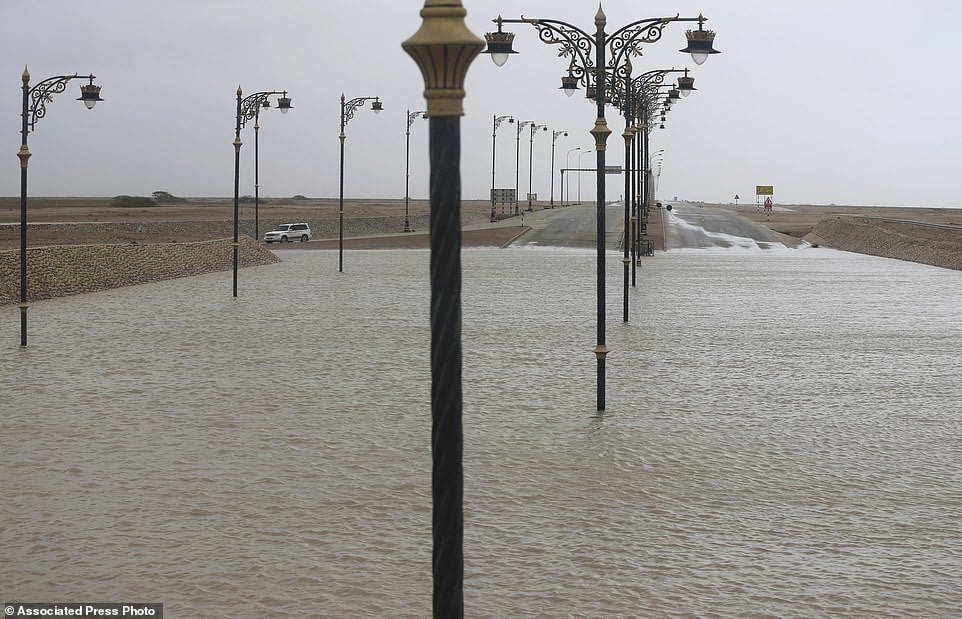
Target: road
x,y
691,226
686,226
572,226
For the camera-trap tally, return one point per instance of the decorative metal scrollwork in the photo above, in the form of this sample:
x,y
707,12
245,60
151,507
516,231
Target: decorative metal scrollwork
x,y
352,106
252,104
627,39
41,94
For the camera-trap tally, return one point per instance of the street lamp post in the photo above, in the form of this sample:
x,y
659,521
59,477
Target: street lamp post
x,y
534,129
554,138
443,48
247,108
587,152
517,161
583,68
567,190
257,186
631,97
412,116
494,149
347,113
35,101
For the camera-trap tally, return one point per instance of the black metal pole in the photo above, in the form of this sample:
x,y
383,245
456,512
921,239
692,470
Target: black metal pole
x,y
626,234
407,172
237,147
257,185
534,127
635,220
446,392
600,133
517,166
494,150
340,210
24,155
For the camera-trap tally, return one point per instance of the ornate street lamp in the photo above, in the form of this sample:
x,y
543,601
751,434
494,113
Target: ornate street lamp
x,y
443,48
534,129
565,190
633,96
412,116
587,151
592,70
517,161
494,149
347,113
247,108
284,105
554,138
35,101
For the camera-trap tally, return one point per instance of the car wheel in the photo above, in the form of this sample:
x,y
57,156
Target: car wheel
x,y
283,239
303,238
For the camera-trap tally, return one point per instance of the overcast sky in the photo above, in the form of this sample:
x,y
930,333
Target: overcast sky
x,y
829,101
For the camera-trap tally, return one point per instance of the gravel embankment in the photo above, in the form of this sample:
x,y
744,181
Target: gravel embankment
x,y
939,246
61,270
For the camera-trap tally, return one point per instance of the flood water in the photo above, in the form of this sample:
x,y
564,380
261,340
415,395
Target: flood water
x,y
783,439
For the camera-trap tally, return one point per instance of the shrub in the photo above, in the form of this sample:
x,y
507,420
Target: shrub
x,y
132,202
163,197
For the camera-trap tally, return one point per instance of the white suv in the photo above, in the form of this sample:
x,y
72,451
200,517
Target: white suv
x,y
286,233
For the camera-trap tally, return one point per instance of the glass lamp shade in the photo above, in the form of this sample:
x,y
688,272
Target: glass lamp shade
x,y
90,95
500,46
284,104
569,84
376,106
700,44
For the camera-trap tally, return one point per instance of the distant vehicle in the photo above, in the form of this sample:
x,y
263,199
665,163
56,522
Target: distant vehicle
x,y
286,233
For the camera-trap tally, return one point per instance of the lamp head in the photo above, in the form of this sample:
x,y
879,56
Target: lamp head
x,y
500,44
700,43
283,103
376,106
569,84
89,93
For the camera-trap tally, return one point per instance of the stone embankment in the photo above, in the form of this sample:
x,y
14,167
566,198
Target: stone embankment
x,y
935,245
61,270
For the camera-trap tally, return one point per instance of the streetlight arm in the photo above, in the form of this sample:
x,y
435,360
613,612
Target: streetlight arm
x,y
648,30
42,93
412,116
575,43
348,108
251,104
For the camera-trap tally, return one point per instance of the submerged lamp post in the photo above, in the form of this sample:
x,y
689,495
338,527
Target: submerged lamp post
x,y
567,190
517,160
534,129
284,105
443,48
412,116
35,99
554,138
247,108
592,59
633,97
494,148
347,113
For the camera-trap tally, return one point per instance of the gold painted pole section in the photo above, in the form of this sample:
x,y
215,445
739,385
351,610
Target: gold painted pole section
x,y
443,48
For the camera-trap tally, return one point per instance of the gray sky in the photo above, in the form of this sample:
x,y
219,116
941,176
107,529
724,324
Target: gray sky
x,y
830,101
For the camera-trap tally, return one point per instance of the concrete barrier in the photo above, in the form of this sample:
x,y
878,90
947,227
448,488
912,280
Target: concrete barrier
x,y
61,270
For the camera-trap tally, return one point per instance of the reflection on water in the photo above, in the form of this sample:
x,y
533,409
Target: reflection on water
x,y
783,438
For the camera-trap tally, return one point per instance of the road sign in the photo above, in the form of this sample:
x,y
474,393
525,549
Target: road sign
x,y
764,190
502,196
